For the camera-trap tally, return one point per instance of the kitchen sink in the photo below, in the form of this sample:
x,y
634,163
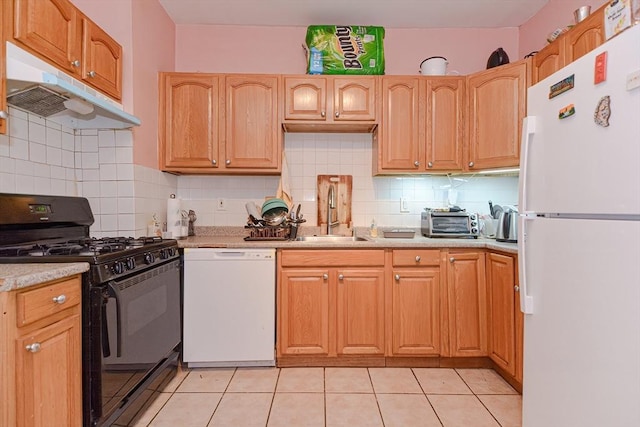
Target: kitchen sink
x,y
331,239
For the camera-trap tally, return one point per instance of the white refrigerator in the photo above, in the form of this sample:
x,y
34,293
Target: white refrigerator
x,y
579,242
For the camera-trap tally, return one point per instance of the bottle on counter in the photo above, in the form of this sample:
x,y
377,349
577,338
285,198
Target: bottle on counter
x,y
373,231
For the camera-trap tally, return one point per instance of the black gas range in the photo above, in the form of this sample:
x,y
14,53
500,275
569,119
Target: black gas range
x,y
131,297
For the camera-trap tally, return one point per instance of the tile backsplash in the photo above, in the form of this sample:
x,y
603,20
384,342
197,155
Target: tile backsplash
x,y
41,157
309,155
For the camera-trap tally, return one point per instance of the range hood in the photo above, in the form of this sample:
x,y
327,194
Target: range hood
x,y
38,87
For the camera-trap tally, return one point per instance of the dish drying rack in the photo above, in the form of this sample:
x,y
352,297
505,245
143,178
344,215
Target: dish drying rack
x,y
262,232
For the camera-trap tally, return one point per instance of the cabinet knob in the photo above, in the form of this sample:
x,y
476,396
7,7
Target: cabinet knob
x,y
452,260
325,276
228,162
214,162
33,348
471,164
323,114
430,164
60,299
76,63
337,114
3,114
91,73
397,277
340,276
416,163
418,258
516,288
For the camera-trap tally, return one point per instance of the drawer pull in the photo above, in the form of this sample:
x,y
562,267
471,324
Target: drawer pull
x,y
340,276
325,276
60,299
452,260
397,277
418,258
33,348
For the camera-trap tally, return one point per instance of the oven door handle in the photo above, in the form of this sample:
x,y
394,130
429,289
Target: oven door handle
x,y
106,349
114,292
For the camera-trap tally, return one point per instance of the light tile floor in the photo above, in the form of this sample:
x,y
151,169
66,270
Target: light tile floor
x,y
332,397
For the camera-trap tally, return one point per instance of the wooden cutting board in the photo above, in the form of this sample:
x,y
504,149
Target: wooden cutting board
x,y
343,185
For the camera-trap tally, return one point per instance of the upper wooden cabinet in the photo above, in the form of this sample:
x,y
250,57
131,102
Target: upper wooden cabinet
x,y
4,112
58,32
101,60
215,123
252,137
422,125
496,100
579,40
189,119
330,103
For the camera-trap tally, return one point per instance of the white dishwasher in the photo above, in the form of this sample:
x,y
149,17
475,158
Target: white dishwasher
x,y
229,307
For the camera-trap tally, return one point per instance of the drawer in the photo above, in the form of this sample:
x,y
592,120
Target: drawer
x,y
332,258
36,304
415,257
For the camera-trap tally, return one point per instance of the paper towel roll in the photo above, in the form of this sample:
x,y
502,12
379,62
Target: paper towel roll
x,y
174,217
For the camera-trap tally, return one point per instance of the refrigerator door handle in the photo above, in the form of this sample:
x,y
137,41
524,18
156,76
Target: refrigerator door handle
x,y
528,129
526,301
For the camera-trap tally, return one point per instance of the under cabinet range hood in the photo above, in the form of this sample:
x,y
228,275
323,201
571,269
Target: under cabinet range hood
x,y
39,88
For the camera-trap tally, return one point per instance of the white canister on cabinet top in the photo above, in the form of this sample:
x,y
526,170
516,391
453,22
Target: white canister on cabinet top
x,y
434,66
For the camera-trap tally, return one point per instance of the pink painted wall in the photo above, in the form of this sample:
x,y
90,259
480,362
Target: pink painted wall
x,y
154,48
147,36
556,14
246,49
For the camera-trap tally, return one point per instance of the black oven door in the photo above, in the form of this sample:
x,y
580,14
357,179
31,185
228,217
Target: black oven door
x,y
139,328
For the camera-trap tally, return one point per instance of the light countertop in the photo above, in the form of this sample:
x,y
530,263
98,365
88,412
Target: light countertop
x,y
18,276
216,239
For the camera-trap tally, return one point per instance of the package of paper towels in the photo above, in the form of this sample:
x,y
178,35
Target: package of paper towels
x,y
174,218
345,49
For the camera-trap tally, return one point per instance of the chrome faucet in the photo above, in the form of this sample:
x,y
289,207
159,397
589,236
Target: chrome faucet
x,y
331,206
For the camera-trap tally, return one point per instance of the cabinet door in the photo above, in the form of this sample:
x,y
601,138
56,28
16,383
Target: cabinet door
x,y
4,112
52,29
360,311
189,112
548,60
354,99
519,326
305,98
399,139
415,312
445,122
467,304
101,60
49,386
501,320
497,104
252,128
303,322
585,36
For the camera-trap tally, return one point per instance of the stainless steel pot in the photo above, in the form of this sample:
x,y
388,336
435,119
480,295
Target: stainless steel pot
x,y
507,225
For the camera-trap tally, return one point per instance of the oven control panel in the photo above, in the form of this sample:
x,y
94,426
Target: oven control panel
x,y
126,264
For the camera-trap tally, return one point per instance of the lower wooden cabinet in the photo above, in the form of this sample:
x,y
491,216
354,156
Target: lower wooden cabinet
x,y
413,311
502,310
41,381
330,303
467,295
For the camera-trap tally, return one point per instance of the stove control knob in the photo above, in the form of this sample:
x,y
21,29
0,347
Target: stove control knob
x,y
149,258
164,253
474,230
130,263
118,267
172,251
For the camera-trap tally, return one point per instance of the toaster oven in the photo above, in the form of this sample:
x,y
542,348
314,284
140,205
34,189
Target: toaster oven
x,y
449,224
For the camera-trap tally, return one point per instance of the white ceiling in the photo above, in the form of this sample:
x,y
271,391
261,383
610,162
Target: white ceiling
x,y
385,13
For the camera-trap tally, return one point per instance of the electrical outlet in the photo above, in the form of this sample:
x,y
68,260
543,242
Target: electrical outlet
x,y
221,205
404,205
